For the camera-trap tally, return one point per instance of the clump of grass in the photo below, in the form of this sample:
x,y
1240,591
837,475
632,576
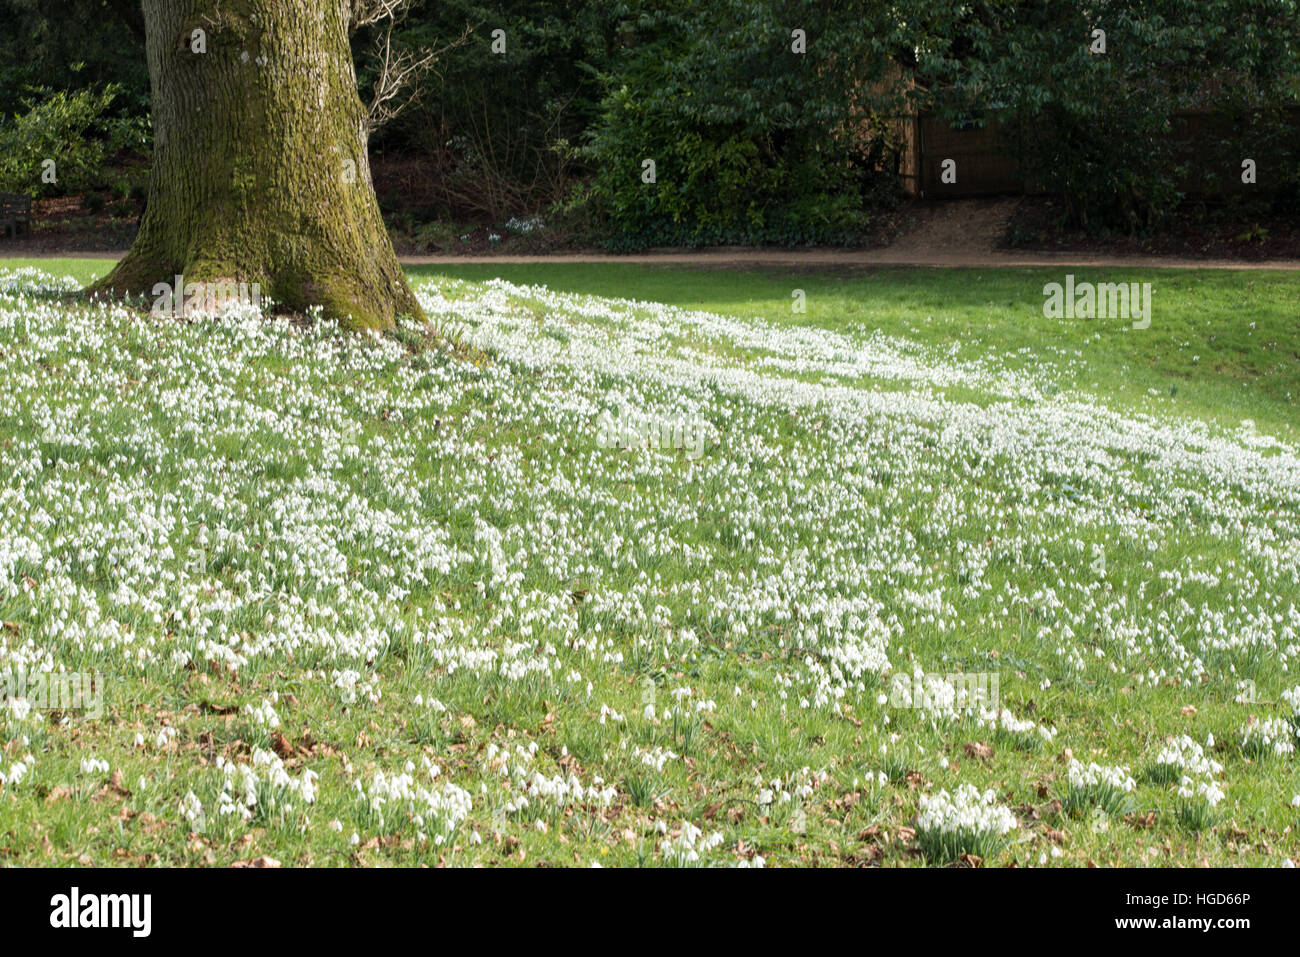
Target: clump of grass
x,y
644,788
1195,815
895,765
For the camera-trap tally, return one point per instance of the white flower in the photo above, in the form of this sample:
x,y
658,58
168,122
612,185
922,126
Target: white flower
x,y
1269,734
965,810
1093,775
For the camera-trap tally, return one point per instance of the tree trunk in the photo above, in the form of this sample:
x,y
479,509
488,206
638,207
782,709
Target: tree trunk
x,y
260,171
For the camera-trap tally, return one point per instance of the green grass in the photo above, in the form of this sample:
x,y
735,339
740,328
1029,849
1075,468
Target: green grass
x,y
1223,344
1212,331
221,432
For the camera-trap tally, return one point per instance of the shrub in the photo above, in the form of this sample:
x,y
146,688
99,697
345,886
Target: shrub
x,y
1098,129
752,142
70,129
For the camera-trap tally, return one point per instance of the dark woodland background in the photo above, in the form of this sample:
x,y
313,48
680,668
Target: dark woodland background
x,y
753,143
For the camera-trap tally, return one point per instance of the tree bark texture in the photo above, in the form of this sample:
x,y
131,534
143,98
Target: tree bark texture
x,y
260,167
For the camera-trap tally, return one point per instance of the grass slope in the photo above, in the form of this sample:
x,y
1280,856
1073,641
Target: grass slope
x,y
383,601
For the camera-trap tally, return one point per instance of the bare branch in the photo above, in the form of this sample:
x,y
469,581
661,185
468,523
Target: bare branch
x,y
398,71
366,12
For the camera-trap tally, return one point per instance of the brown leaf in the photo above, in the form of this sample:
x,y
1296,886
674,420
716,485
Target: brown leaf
x,y
58,794
258,862
870,854
115,782
281,746
977,749
1142,821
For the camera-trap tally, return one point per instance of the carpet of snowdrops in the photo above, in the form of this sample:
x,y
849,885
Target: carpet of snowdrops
x,y
391,599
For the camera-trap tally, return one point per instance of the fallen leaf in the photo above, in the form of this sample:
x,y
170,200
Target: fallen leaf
x,y
1142,821
870,854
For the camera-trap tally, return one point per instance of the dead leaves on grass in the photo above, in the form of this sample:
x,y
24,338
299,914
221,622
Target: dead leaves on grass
x,y
976,749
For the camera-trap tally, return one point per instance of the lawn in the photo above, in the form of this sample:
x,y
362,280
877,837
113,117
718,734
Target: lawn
x,y
398,600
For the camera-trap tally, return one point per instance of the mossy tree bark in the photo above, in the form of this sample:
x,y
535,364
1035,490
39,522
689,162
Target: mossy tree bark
x,y
260,168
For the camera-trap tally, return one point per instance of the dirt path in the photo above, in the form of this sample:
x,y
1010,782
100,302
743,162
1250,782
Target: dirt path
x,y
732,258
971,227
959,234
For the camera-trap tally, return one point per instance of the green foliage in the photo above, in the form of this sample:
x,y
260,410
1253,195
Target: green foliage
x,y
74,45
1101,129
72,130
752,141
